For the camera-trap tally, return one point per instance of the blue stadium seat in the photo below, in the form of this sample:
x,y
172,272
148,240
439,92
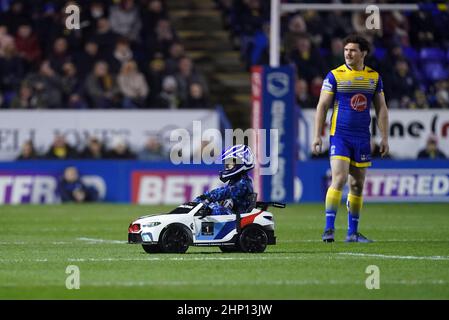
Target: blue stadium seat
x,y
432,54
379,53
324,52
435,71
410,53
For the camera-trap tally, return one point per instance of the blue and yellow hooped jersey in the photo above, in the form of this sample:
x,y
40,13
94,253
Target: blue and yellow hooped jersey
x,y
353,93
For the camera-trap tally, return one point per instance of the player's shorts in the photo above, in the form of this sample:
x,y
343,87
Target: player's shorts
x,y
356,151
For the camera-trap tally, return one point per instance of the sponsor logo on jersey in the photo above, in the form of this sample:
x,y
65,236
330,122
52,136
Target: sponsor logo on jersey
x,y
327,85
359,102
345,83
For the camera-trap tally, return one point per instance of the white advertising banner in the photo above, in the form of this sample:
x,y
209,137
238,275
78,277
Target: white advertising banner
x,y
134,126
408,131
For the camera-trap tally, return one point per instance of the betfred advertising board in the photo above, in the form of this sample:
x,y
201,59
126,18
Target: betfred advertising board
x,y
170,187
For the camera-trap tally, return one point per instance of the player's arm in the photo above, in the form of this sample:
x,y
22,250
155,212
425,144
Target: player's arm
x,y
380,106
382,121
325,101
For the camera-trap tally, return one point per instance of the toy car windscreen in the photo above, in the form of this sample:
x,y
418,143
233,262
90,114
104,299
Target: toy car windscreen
x,y
184,208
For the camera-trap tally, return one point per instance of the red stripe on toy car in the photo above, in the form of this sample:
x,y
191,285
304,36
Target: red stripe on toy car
x,y
249,219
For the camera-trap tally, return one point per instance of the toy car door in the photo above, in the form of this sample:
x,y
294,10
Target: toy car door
x,y
214,228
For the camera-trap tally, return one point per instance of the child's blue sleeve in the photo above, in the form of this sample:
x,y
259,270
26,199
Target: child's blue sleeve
x,y
235,192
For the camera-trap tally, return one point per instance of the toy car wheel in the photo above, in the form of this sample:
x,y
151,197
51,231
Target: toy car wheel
x,y
253,239
229,249
175,239
151,248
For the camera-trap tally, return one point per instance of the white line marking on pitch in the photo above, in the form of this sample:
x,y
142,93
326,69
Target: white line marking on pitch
x,y
185,259
240,283
93,240
384,256
383,240
346,255
304,282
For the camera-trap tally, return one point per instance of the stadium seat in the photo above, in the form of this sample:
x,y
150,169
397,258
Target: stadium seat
x,y
410,53
435,71
324,52
379,53
431,54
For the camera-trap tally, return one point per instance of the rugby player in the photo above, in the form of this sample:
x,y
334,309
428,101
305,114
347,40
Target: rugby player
x,y
350,89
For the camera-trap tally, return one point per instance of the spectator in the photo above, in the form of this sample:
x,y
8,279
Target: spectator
x,y
27,44
60,149
186,75
70,82
162,38
46,86
86,59
441,99
120,150
5,39
95,12
168,98
122,54
176,52
132,85
336,58
315,89
420,101
431,150
306,59
72,189
60,54
94,150
152,151
153,12
403,84
104,37
12,71
24,99
27,151
125,19
101,87
259,48
337,24
196,98
155,73
296,27
303,98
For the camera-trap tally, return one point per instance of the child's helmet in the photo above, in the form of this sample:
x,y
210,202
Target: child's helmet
x,y
237,159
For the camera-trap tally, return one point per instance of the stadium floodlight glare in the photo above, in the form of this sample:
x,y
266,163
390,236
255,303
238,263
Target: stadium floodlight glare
x,y
278,8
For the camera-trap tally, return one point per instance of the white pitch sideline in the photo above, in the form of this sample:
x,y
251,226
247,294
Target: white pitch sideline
x,y
384,256
94,240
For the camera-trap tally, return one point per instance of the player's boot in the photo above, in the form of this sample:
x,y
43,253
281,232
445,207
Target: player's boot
x,y
328,235
358,237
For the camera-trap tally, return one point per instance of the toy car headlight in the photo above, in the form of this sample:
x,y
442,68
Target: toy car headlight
x,y
151,224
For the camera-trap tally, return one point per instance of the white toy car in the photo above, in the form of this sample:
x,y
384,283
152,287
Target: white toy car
x,y
192,224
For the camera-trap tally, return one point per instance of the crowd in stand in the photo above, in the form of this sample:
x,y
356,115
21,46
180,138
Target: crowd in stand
x,y
95,149
126,54
410,50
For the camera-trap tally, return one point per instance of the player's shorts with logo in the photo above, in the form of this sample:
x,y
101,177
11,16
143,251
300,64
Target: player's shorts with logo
x,y
356,151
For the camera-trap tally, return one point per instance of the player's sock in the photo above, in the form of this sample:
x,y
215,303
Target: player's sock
x,y
333,199
354,205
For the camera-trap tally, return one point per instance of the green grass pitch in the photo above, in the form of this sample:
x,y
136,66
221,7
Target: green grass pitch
x,y
37,243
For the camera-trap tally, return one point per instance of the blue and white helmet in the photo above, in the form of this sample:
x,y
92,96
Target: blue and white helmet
x,y
243,161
